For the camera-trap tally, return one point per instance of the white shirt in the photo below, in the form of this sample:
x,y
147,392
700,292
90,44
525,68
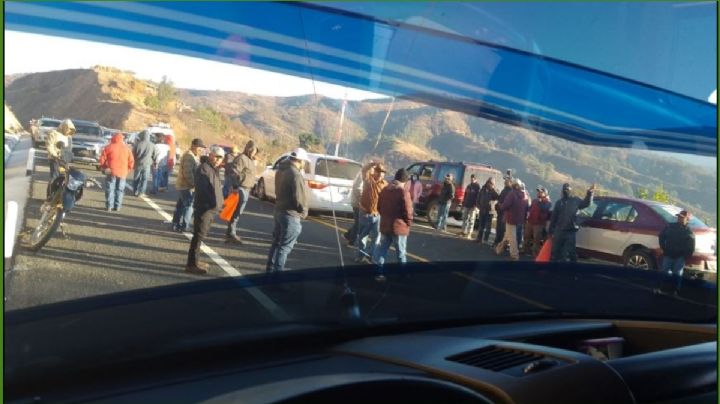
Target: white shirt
x,y
163,152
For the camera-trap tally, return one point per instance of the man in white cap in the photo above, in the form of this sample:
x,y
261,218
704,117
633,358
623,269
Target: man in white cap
x,y
208,201
290,208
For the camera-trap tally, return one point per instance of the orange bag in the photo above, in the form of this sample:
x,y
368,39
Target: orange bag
x,y
545,251
231,203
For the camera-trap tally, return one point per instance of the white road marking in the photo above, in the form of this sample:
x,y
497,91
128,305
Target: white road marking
x,y
261,297
30,166
633,284
10,224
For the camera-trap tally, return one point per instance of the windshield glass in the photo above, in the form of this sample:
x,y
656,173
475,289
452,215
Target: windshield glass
x,y
669,212
87,130
50,124
580,113
342,169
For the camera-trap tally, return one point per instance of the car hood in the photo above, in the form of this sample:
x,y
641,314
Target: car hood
x,y
80,138
150,322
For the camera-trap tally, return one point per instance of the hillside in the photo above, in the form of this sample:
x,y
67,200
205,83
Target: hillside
x,y
412,132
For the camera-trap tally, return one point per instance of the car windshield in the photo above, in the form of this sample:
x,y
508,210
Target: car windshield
x,y
589,102
342,169
81,129
669,212
50,124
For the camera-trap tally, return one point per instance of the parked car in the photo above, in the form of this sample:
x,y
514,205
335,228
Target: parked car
x,y
88,142
432,174
625,230
40,128
328,182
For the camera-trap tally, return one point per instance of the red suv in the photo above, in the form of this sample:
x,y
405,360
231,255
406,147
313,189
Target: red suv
x,y
432,174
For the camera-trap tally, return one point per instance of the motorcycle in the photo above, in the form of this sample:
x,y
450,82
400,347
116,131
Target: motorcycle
x,y
63,193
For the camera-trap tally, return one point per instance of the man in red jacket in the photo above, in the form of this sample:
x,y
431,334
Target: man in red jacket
x,y
396,215
116,161
514,209
537,222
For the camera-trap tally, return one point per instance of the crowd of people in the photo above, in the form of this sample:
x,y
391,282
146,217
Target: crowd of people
x,y
383,211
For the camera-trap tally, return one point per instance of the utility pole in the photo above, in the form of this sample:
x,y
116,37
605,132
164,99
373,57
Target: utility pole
x,y
339,131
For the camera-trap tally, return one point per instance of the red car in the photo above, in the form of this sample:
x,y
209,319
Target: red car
x,y
625,230
432,175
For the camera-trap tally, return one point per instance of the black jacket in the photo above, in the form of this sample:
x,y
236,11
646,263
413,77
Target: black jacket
x,y
447,193
470,200
565,212
208,189
290,191
485,196
677,240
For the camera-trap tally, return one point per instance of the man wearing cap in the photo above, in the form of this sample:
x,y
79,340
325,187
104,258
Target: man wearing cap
x,y
369,235
396,214
59,148
514,208
447,193
207,202
677,242
185,183
562,223
290,207
538,218
470,207
242,178
355,194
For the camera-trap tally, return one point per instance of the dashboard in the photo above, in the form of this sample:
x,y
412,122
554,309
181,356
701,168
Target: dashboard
x,y
579,361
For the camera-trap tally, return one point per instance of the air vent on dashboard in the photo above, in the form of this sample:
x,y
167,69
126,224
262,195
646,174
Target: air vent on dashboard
x,y
495,358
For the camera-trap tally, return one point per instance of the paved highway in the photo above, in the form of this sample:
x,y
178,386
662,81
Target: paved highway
x,y
134,248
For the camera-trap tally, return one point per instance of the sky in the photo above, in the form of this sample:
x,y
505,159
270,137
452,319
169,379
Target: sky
x,y
31,53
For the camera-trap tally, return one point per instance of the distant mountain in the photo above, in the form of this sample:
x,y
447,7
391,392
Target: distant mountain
x,y
412,132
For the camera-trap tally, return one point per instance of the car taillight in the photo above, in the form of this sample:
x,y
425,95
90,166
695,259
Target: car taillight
x,y
316,184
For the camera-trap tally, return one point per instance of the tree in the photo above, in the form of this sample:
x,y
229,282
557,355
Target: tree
x,y
166,93
642,193
310,141
661,195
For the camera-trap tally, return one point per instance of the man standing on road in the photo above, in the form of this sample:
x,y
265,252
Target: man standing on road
x,y
144,155
227,181
369,235
396,215
500,223
677,242
447,193
486,196
470,207
414,186
185,183
160,164
514,209
537,221
116,160
242,176
59,147
208,201
291,207
355,194
562,223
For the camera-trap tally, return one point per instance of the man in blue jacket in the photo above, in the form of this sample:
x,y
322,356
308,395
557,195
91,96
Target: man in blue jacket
x,y
208,201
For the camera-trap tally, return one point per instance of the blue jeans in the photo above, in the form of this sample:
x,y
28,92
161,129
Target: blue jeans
x,y
370,227
285,234
160,178
232,225
140,180
400,243
183,210
114,192
443,212
674,267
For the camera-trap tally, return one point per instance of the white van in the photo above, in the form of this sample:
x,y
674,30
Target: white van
x,y
328,181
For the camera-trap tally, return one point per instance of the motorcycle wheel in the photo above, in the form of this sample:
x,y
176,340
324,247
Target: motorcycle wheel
x,y
49,223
